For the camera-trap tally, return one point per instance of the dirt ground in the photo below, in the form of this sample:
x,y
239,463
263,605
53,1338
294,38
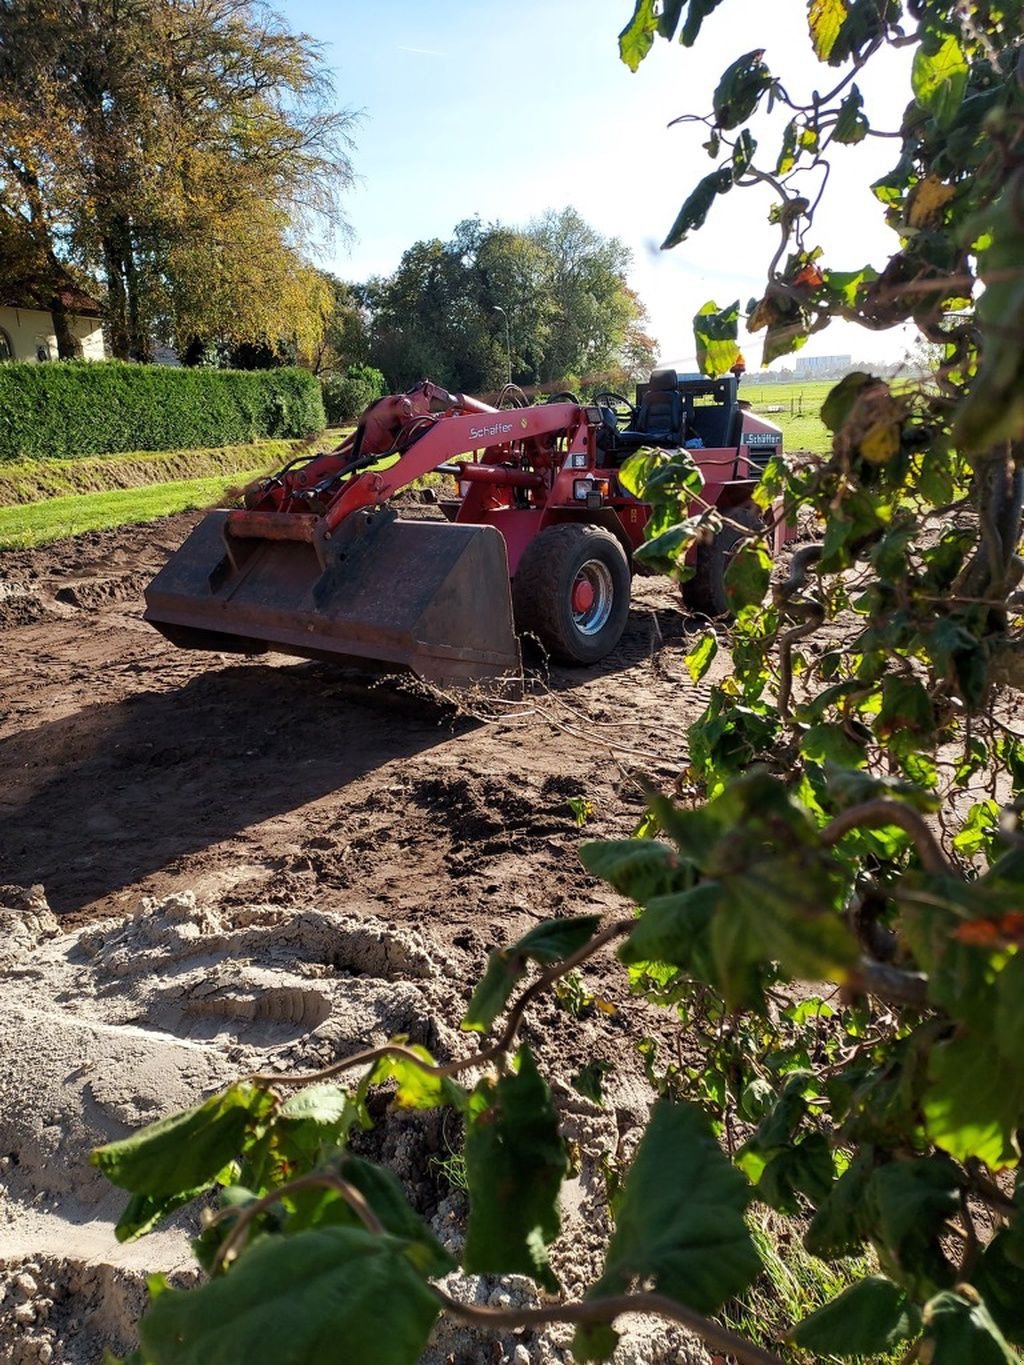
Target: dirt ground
x,y
262,792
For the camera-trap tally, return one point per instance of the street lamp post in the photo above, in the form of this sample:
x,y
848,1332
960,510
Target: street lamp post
x,y
508,338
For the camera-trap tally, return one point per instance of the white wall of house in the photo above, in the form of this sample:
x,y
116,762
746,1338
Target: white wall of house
x,y
30,331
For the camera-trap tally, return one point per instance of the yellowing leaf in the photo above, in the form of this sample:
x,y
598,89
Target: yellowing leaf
x,y
825,18
880,443
927,200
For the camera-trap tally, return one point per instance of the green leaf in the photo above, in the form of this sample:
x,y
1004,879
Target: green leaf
x,y
297,1299
186,1151
837,407
842,1221
322,1104
589,1082
913,1200
742,157
696,14
145,1211
748,575
637,38
971,1107
806,1169
417,1088
545,943
939,77
324,1207
959,1331
515,1165
741,87
790,149
869,1318
676,930
715,331
702,656
668,19
906,708
993,410
980,823
851,125
637,868
697,206
826,743
997,1278
679,1223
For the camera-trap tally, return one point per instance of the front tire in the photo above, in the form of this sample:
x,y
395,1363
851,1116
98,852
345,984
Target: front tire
x,y
571,592
704,594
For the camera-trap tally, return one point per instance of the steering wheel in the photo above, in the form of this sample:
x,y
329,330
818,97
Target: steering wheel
x,y
621,409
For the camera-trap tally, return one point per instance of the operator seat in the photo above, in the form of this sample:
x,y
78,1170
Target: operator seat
x,y
660,418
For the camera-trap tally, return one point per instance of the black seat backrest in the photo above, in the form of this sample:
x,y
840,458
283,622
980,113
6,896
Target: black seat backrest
x,y
661,411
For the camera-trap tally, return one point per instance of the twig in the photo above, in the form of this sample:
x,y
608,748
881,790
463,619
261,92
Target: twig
x,y
873,814
606,1310
889,983
481,1058
314,1180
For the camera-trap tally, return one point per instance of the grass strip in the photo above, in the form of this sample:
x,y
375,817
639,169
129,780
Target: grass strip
x,y
39,523
33,480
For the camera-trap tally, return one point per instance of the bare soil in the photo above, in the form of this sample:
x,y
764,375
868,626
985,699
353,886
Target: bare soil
x,y
304,826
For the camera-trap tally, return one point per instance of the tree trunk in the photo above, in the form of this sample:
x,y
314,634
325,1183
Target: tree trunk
x,y
117,302
138,335
68,345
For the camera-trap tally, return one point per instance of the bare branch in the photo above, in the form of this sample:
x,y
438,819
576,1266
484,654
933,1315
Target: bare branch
x,y
478,1059
315,1180
606,1310
878,813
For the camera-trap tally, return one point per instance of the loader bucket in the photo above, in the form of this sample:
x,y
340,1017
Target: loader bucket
x,y
425,596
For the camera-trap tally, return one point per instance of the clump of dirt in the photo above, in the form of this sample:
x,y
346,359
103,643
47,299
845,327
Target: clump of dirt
x,y
21,604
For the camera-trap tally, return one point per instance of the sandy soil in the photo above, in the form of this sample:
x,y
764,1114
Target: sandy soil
x,y
253,862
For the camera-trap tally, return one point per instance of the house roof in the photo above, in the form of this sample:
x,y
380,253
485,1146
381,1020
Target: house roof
x,y
74,300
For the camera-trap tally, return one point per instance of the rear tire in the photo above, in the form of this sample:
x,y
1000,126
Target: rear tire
x,y
704,593
571,592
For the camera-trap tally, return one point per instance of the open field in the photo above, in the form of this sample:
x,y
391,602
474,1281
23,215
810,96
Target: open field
x,y
796,409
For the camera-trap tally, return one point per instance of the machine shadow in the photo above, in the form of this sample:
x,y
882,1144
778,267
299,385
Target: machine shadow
x,y
120,790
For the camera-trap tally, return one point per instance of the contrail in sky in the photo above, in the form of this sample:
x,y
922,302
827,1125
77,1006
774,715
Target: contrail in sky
x,y
422,51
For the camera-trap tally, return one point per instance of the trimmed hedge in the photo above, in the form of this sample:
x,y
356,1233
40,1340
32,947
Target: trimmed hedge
x,y
73,408
346,395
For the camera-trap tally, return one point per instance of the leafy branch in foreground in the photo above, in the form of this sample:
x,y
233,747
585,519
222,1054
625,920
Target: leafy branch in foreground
x,y
867,710
311,1242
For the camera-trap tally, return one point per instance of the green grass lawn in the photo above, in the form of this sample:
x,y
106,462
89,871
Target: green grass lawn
x,y
36,523
799,409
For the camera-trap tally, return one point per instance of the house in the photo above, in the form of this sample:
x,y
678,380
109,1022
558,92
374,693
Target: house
x,y
27,332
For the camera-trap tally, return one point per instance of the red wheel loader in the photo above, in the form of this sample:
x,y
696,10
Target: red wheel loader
x,y
539,541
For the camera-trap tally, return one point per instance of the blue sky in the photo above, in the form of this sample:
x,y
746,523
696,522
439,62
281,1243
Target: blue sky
x,y
507,110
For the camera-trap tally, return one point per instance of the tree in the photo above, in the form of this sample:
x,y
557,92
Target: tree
x,y
345,339
560,284
184,152
584,278
857,782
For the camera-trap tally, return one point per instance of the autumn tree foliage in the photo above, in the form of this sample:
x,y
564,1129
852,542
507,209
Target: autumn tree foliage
x,y
182,153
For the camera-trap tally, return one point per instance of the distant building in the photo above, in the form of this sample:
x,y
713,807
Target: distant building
x,y
27,332
821,366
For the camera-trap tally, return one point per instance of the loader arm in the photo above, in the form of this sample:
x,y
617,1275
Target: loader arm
x,y
425,442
